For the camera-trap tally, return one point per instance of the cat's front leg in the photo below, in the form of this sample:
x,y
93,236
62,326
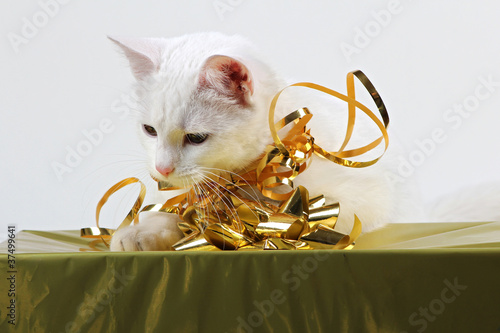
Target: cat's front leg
x,y
155,232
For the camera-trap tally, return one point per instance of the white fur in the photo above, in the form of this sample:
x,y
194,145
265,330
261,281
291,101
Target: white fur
x,y
168,71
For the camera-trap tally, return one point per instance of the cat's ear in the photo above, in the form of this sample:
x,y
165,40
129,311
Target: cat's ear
x,y
227,76
143,55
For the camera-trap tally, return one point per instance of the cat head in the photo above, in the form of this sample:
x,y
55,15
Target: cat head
x,y
202,104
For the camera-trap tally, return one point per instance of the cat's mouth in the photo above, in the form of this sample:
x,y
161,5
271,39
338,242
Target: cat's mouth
x,y
182,181
162,183
170,182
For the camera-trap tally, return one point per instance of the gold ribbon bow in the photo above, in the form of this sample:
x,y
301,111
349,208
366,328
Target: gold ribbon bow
x,y
218,217
298,223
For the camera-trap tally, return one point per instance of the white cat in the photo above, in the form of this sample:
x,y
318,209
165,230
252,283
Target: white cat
x,y
204,102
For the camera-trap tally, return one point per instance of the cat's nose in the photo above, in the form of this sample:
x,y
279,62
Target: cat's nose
x,y
164,170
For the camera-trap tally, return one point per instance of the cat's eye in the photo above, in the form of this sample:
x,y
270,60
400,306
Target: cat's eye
x,y
196,138
149,130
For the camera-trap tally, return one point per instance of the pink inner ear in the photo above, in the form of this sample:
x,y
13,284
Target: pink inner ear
x,y
228,76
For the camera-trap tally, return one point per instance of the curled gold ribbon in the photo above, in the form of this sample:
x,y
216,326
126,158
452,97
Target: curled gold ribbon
x,y
297,147
105,234
219,217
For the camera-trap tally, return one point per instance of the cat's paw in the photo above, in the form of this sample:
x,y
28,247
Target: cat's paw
x,y
155,232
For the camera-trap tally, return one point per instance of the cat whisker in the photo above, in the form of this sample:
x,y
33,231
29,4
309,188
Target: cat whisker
x,y
219,194
239,188
100,173
216,191
226,171
202,194
112,164
254,195
208,182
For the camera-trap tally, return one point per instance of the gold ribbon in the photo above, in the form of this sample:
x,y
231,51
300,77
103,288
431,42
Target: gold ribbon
x,y
297,147
219,217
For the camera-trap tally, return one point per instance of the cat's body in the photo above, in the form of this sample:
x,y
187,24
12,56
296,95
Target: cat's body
x,y
204,102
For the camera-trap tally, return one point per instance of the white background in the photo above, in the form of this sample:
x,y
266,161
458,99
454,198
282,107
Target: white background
x,y
64,77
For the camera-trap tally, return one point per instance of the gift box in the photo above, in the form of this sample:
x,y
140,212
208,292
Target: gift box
x,y
439,277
